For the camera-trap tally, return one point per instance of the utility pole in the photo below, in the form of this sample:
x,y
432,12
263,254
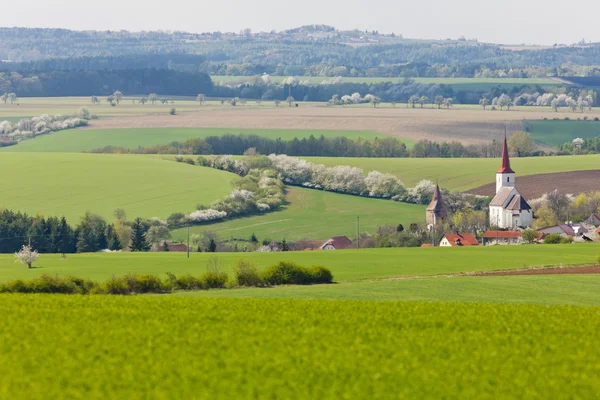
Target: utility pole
x,y
188,241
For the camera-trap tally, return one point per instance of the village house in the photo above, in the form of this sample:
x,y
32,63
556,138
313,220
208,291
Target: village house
x,y
505,237
593,219
508,209
572,230
458,239
337,243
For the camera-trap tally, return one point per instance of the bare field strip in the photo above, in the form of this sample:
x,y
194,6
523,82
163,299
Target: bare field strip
x,y
534,186
465,125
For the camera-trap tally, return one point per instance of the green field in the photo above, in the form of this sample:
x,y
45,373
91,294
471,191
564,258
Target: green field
x,y
151,347
316,214
56,184
77,140
554,133
535,289
456,83
459,174
346,265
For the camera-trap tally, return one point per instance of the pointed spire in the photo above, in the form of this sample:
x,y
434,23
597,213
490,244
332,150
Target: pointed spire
x,y
505,167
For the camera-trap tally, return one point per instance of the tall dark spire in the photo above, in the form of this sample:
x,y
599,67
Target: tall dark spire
x,y
505,168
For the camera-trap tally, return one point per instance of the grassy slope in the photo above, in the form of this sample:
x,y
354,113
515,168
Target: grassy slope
x,y
77,140
71,184
346,265
547,289
554,133
168,347
316,215
462,173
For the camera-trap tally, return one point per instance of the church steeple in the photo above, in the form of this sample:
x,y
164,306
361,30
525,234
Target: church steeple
x,y
505,167
436,211
505,176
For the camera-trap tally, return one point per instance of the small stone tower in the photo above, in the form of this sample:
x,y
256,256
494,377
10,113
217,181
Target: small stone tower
x,y
436,210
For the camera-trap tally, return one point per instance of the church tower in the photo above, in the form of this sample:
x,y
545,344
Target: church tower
x,y
505,176
436,211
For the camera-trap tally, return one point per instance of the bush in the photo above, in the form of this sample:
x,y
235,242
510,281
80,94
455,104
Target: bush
x,y
189,160
49,284
320,274
567,240
553,238
213,280
184,282
135,284
245,273
172,111
286,273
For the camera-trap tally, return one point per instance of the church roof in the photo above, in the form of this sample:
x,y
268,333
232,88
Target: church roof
x,y
501,197
437,203
518,203
505,167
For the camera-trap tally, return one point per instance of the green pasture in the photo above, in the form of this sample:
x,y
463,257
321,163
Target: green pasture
x,y
70,184
554,133
158,347
533,289
459,174
315,214
77,140
346,265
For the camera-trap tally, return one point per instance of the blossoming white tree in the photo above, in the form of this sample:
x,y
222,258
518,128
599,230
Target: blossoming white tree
x,y
26,256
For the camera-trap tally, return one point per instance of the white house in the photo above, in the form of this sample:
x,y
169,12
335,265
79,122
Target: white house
x,y
508,209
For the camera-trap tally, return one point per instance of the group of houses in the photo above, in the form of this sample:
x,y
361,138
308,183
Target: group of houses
x,y
508,211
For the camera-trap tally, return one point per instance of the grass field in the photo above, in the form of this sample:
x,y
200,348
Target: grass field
x,y
316,215
549,289
77,140
554,133
461,174
346,265
456,83
70,184
147,347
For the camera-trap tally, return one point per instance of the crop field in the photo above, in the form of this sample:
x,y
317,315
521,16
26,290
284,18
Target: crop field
x,y
159,347
464,173
56,184
316,214
456,83
554,133
346,265
77,140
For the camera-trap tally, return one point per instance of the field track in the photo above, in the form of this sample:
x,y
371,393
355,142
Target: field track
x,y
464,125
589,269
534,186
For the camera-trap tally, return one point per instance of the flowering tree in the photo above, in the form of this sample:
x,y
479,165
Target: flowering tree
x,y
26,256
206,215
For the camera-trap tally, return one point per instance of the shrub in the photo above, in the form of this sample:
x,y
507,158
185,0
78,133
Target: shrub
x,y
286,273
172,111
567,240
245,273
214,280
115,285
134,284
184,282
553,238
49,284
190,161
320,274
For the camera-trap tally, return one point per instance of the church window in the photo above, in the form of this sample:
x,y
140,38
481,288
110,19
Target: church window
x,y
508,179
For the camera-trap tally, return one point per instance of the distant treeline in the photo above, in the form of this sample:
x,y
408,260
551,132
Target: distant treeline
x,y
580,146
384,147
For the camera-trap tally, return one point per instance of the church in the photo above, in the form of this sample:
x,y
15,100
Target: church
x,y
508,209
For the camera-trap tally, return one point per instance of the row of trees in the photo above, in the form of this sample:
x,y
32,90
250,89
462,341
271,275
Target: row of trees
x,y
44,124
580,146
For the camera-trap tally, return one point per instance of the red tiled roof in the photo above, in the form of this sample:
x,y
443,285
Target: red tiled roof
x,y
339,242
426,245
505,167
177,247
461,239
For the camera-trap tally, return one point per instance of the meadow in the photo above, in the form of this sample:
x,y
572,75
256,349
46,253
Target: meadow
x,y
460,174
346,265
554,133
57,184
315,214
78,140
172,347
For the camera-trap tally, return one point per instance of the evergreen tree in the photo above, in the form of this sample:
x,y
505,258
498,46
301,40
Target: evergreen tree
x,y
284,246
212,246
66,242
253,238
165,246
86,241
113,238
138,236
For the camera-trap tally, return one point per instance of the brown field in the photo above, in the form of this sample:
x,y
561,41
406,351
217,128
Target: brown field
x,y
588,269
534,186
467,125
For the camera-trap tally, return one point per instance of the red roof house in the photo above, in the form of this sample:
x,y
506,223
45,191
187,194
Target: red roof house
x,y
459,239
337,243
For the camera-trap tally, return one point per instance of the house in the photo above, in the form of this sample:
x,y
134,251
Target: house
x,y
179,247
436,210
573,230
505,237
508,209
594,220
459,239
337,243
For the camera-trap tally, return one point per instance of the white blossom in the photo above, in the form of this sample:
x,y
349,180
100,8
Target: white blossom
x,y
26,256
206,215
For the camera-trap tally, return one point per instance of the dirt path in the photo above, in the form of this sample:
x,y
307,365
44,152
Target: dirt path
x,y
534,186
588,269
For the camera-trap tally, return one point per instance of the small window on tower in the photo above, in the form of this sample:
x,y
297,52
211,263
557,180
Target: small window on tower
x,y
508,179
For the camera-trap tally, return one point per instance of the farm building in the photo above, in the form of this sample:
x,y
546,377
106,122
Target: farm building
x,y
436,210
508,209
594,220
178,247
505,237
337,243
458,239
572,230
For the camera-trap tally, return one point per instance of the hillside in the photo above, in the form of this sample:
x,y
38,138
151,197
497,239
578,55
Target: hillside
x,y
70,184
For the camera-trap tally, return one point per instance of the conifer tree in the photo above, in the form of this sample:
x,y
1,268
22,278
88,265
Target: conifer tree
x,y
113,238
138,236
212,246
